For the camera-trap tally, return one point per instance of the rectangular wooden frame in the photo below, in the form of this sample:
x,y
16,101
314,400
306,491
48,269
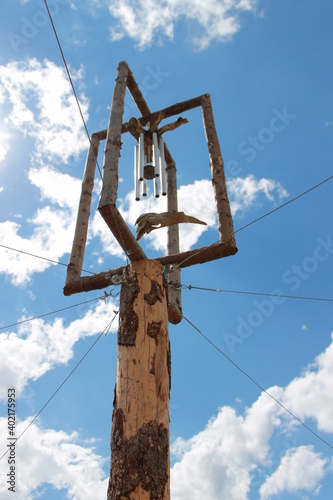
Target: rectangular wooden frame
x,y
226,245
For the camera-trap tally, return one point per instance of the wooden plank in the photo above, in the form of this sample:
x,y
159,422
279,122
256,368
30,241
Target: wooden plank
x,y
122,232
81,230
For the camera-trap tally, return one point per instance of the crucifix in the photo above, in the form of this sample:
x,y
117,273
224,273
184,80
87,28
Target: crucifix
x,y
151,289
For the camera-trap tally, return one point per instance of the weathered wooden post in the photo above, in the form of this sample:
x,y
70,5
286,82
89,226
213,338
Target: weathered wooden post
x,y
140,421
150,294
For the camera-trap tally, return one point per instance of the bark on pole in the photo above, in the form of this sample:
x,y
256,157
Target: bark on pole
x,y
140,462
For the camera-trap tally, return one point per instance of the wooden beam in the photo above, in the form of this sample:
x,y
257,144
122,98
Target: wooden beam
x,y
174,109
122,232
174,295
113,139
136,93
184,259
140,458
224,217
81,230
147,116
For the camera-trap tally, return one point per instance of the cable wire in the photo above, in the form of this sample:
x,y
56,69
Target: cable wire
x,y
284,204
265,215
176,287
49,313
70,80
105,331
40,257
257,384
243,292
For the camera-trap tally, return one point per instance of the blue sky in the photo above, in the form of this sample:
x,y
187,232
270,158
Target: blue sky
x,y
267,66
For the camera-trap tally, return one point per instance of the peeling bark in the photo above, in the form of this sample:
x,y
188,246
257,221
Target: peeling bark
x,y
169,364
154,329
140,460
128,319
155,294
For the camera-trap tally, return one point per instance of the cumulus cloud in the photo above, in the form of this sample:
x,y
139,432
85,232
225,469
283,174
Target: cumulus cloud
x,y
197,199
204,208
310,395
217,462
224,459
244,192
43,107
300,469
61,460
148,22
37,346
52,227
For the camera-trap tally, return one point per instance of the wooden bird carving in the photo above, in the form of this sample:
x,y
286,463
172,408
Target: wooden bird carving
x,y
150,221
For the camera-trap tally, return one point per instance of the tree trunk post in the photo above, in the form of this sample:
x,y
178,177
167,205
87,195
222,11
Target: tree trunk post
x,y
140,458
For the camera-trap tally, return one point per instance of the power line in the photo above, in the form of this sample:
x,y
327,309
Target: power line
x,y
267,214
177,287
284,204
50,313
70,80
40,257
257,384
105,331
243,292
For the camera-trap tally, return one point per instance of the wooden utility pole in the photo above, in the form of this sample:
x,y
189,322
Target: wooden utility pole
x,y
151,292
140,421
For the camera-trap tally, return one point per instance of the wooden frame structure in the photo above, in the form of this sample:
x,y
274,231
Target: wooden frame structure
x,y
226,245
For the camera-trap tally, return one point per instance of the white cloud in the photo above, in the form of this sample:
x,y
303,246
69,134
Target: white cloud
x,y
197,199
244,192
43,107
300,469
52,228
310,395
225,458
61,189
4,148
47,457
38,345
148,22
217,462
